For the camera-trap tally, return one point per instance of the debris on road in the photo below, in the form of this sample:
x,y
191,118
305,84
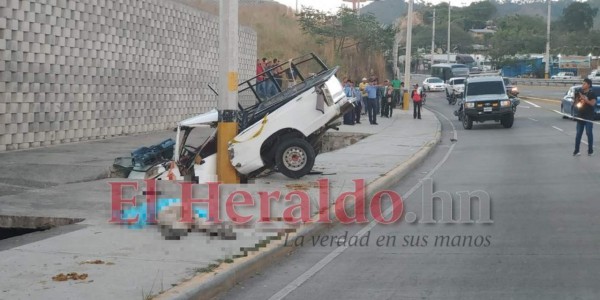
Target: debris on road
x,y
72,276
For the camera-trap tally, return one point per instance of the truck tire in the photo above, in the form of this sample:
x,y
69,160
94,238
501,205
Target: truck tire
x,y
294,157
467,122
508,121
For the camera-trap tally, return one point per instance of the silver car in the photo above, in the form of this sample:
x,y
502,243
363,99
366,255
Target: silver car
x,y
567,107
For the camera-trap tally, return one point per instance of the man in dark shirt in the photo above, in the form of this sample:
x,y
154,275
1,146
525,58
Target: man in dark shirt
x,y
585,101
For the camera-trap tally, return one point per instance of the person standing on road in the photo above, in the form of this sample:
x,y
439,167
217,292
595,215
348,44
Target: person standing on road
x,y
350,117
386,101
585,101
371,90
416,97
361,86
396,84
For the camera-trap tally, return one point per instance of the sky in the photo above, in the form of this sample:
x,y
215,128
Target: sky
x,y
333,5
326,5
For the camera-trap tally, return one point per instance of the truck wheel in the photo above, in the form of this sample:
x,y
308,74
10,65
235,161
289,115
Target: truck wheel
x,y
467,121
295,157
508,121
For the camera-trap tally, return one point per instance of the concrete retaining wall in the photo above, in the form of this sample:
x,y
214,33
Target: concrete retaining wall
x,y
73,70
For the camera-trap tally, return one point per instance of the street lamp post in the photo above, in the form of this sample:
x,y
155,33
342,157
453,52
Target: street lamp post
x,y
448,48
407,58
432,38
547,58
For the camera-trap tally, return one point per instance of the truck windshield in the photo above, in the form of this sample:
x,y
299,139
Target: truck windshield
x,y
485,88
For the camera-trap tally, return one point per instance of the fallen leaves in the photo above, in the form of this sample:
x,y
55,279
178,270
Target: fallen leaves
x,y
72,276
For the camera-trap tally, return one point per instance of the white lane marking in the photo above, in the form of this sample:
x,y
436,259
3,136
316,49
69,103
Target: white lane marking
x,y
575,118
532,119
532,104
523,106
296,283
558,129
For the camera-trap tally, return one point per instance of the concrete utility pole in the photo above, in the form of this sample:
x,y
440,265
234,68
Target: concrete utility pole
x,y
228,87
395,59
432,38
448,49
547,58
407,58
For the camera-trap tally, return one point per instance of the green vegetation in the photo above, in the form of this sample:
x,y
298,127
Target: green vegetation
x,y
362,45
280,35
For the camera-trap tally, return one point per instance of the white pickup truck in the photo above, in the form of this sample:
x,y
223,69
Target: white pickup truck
x,y
594,75
454,89
564,75
295,104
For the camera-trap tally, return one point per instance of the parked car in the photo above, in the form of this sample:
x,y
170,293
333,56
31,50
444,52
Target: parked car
x,y
281,131
454,89
567,107
564,75
433,84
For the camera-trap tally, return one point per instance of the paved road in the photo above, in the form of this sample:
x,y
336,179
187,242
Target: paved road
x,y
542,244
544,92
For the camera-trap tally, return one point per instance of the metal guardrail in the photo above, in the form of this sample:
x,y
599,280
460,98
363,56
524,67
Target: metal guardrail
x,y
545,82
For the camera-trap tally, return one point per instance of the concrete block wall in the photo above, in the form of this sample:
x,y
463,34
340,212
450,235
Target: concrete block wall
x,y
74,70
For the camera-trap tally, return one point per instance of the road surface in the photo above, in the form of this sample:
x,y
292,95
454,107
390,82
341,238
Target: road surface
x,y
543,242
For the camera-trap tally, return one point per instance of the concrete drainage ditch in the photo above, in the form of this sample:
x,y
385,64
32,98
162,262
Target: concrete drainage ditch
x,y
332,141
12,226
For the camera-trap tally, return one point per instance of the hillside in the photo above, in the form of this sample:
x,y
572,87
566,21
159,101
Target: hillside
x,y
386,11
279,36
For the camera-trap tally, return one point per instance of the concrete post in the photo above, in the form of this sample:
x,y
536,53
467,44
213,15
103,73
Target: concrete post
x,y
228,88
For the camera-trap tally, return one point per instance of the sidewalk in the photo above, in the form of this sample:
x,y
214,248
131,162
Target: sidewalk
x,y
52,182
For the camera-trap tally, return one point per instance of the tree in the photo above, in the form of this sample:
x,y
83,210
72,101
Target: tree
x,y
517,35
578,16
346,28
477,14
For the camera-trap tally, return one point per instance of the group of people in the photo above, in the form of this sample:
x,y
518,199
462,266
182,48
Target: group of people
x,y
375,99
265,86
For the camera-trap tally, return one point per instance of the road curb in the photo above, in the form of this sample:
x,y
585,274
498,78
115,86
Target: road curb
x,y
209,285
